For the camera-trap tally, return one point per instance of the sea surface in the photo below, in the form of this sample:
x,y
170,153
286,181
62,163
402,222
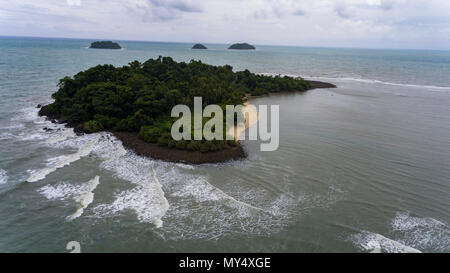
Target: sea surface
x,y
363,167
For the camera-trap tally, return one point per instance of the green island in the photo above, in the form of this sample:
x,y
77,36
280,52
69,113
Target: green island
x,y
199,46
134,102
242,46
105,45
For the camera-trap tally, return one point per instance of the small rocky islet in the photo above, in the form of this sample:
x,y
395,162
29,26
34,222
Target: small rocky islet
x,y
105,45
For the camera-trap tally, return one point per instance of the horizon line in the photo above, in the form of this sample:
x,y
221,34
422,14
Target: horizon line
x,y
215,43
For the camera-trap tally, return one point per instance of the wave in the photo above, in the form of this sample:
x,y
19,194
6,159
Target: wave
x,y
3,176
146,198
234,200
376,243
83,194
61,136
423,233
62,191
85,198
180,201
410,234
371,81
62,161
430,87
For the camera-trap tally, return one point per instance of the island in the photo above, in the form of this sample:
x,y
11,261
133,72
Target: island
x,y
134,103
199,46
105,45
242,46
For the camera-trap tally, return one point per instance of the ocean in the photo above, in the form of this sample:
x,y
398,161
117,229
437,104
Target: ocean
x,y
362,167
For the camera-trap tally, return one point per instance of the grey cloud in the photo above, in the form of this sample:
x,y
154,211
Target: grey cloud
x,y
298,12
159,10
347,11
342,11
178,5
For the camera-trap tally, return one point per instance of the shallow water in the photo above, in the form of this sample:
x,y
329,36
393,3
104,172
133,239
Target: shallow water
x,y
362,167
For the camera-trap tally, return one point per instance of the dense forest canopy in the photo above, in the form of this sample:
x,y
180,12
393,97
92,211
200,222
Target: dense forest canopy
x,y
105,45
140,96
242,46
199,46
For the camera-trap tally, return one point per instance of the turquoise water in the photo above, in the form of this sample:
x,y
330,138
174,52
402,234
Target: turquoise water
x,y
360,167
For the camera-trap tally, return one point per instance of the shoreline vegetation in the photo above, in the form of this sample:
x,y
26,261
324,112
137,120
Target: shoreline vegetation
x,y
134,102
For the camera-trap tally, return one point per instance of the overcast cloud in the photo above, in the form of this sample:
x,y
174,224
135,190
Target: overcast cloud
x,y
339,23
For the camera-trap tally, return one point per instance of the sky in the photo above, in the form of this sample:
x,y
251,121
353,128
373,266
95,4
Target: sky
x,y
420,24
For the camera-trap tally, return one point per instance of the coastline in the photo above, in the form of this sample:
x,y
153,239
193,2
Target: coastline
x,y
131,141
155,151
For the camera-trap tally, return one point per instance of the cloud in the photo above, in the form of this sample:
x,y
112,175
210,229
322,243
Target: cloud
x,y
160,10
73,2
354,23
178,5
298,12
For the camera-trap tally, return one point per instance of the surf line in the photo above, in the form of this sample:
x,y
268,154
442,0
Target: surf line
x,y
236,201
85,198
67,160
165,204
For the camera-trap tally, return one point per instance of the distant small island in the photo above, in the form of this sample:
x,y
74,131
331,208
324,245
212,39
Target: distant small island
x,y
105,45
242,46
199,46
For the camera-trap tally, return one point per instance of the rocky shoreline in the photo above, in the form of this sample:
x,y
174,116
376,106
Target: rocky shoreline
x,y
155,151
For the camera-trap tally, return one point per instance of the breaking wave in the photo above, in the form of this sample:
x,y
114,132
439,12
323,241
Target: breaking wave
x,y
377,243
411,234
82,194
85,198
62,161
427,234
146,198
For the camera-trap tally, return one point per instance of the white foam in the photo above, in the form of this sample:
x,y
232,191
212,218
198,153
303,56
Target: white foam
x,y
28,114
146,198
419,86
374,242
3,176
427,234
147,201
226,196
198,209
61,136
62,161
61,191
82,194
85,198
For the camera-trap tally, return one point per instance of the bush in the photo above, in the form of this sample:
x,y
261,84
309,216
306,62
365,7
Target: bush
x,y
181,144
92,126
163,141
129,124
204,147
171,143
193,146
149,134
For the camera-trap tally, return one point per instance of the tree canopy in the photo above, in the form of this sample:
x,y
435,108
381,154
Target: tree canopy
x,y
105,45
139,97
